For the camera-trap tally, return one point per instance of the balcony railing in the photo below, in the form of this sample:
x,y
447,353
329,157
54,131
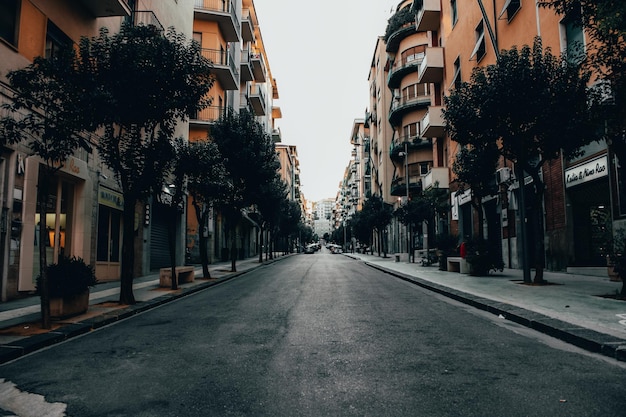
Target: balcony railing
x,y
258,68
433,124
401,105
224,67
257,99
439,177
247,26
398,185
409,62
431,68
428,17
223,12
210,114
145,18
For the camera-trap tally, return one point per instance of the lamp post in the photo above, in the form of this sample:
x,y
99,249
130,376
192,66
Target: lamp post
x,y
406,182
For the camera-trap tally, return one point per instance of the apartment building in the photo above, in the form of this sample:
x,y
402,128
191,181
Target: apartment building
x,y
85,210
229,35
435,45
84,215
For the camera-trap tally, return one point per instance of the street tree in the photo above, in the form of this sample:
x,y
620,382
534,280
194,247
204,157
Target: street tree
x,y
605,24
250,160
474,167
47,115
200,173
378,215
548,117
271,196
143,83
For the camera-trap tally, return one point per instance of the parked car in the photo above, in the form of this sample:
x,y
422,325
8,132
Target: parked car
x,y
309,248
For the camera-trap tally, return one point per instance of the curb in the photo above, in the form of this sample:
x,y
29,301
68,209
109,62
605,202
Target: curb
x,y
587,339
19,348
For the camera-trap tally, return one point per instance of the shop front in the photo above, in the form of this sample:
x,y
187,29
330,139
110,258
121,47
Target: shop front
x,y
589,208
109,238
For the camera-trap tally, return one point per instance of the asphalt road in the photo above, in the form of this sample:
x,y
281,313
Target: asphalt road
x,y
313,335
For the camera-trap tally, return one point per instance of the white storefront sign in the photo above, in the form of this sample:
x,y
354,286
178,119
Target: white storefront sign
x,y
586,172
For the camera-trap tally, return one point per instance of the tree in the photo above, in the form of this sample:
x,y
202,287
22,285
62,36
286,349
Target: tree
x,y
46,113
200,171
250,160
605,24
377,214
271,196
130,74
474,167
540,124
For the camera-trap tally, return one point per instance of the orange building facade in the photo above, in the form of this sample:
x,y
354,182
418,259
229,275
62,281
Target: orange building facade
x,y
422,62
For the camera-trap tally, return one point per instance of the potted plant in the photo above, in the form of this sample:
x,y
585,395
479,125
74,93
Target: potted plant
x,y
446,246
69,281
482,257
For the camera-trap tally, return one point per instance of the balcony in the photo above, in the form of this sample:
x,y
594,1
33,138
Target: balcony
x,y
106,8
433,124
247,26
428,17
439,177
245,67
224,67
402,105
222,12
206,116
398,186
145,18
412,143
393,43
258,68
431,67
404,67
257,100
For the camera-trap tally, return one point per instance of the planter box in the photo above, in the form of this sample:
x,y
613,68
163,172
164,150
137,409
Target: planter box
x,y
69,306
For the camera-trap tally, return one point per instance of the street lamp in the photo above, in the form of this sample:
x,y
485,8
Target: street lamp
x,y
406,181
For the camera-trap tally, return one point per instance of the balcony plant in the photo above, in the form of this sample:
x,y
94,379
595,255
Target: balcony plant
x,y
69,281
482,257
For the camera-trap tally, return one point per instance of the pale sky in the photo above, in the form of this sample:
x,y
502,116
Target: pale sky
x,y
320,54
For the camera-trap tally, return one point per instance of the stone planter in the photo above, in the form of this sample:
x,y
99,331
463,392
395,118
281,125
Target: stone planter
x,y
613,276
62,307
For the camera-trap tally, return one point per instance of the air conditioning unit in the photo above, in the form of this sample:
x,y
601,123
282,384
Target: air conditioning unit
x,y
503,175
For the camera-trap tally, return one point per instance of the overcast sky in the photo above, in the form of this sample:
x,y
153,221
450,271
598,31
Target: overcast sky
x,y
320,53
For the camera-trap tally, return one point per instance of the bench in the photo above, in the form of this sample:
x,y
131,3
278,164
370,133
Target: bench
x,y
184,274
457,264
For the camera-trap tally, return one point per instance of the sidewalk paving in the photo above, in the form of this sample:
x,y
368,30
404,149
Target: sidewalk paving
x,y
571,309
20,320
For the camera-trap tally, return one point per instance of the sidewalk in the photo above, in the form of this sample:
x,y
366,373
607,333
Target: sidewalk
x,y
20,320
570,308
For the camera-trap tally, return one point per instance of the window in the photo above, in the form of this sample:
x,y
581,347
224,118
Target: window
x,y
55,40
456,78
414,91
411,130
9,12
415,54
572,40
479,49
453,11
510,8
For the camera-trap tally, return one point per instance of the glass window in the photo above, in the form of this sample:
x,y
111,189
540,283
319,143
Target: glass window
x,y
55,40
454,14
480,48
8,20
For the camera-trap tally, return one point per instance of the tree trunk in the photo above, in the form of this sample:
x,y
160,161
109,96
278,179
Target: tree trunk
x,y
203,221
43,188
539,232
260,234
128,253
171,241
233,247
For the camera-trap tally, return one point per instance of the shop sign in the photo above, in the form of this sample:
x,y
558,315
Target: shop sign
x,y
588,171
111,198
